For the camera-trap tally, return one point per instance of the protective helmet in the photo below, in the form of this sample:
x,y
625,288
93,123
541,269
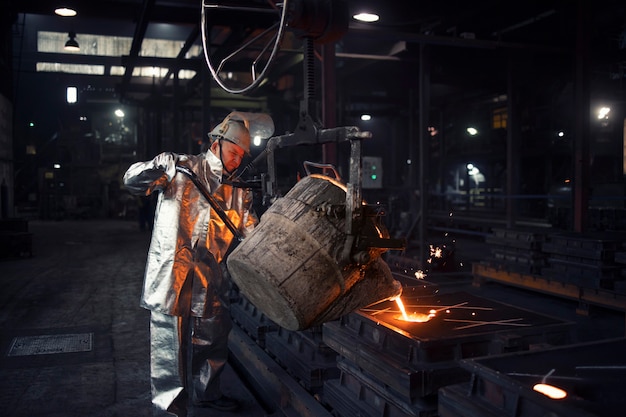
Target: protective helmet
x,y
233,131
238,127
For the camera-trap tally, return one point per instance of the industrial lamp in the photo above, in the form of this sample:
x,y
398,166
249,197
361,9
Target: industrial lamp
x,y
65,12
72,44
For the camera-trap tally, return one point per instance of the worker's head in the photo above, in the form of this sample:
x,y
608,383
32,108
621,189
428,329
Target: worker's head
x,y
230,141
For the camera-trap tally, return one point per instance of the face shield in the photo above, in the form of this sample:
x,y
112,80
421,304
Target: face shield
x,y
259,125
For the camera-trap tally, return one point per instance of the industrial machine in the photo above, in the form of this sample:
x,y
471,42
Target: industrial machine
x,y
348,257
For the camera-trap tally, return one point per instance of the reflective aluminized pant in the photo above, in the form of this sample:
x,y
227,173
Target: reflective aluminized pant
x,y
187,356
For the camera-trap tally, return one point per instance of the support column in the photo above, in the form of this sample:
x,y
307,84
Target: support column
x,y
580,203
207,81
424,111
513,145
329,100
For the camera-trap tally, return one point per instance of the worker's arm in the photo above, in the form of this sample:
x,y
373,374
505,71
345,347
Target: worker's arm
x,y
142,178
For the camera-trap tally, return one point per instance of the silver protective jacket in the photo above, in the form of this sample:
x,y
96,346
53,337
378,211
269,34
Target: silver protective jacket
x,y
188,239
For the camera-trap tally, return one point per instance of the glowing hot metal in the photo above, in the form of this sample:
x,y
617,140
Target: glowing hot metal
x,y
548,390
413,317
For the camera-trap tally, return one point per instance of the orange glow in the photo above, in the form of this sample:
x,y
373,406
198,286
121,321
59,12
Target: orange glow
x,y
413,317
550,391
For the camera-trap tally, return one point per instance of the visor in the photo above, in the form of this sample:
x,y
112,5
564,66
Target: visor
x,y
259,124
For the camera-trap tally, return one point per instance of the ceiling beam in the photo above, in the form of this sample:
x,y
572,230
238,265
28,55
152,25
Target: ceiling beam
x,y
173,64
191,39
140,32
181,11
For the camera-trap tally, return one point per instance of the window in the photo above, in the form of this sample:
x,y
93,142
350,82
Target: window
x,y
499,118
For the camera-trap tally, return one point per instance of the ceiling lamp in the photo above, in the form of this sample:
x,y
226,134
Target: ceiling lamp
x,y
65,12
366,17
71,44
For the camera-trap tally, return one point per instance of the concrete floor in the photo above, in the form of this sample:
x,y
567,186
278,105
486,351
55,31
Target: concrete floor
x,y
85,278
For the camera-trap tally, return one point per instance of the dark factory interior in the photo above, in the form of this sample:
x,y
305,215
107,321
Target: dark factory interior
x,y
486,139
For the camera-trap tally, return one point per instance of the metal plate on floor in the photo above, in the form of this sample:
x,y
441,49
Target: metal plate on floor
x,y
591,374
51,344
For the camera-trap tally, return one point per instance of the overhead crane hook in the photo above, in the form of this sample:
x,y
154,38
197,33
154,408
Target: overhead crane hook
x,y
318,20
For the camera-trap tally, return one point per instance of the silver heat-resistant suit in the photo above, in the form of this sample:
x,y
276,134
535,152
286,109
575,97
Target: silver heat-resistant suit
x,y
184,287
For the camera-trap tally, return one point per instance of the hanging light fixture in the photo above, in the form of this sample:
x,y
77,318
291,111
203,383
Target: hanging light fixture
x,y
65,11
72,44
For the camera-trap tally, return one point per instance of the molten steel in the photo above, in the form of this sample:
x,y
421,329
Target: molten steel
x,y
550,391
413,317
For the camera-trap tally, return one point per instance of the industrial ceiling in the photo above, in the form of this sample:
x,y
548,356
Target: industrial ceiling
x,y
460,51
425,64
376,64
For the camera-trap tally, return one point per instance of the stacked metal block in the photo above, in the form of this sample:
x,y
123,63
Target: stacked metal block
x,y
304,355
391,367
252,320
607,218
619,286
585,260
590,260
517,250
590,374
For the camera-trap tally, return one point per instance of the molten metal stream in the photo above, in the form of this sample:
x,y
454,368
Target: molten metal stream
x,y
413,317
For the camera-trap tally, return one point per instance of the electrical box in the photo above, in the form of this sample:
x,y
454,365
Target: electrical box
x,y
372,172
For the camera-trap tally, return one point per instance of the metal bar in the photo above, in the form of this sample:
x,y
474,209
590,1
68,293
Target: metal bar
x,y
353,194
273,381
212,201
140,32
239,8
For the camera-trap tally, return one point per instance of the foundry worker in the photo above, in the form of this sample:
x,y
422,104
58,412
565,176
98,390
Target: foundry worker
x,y
184,287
